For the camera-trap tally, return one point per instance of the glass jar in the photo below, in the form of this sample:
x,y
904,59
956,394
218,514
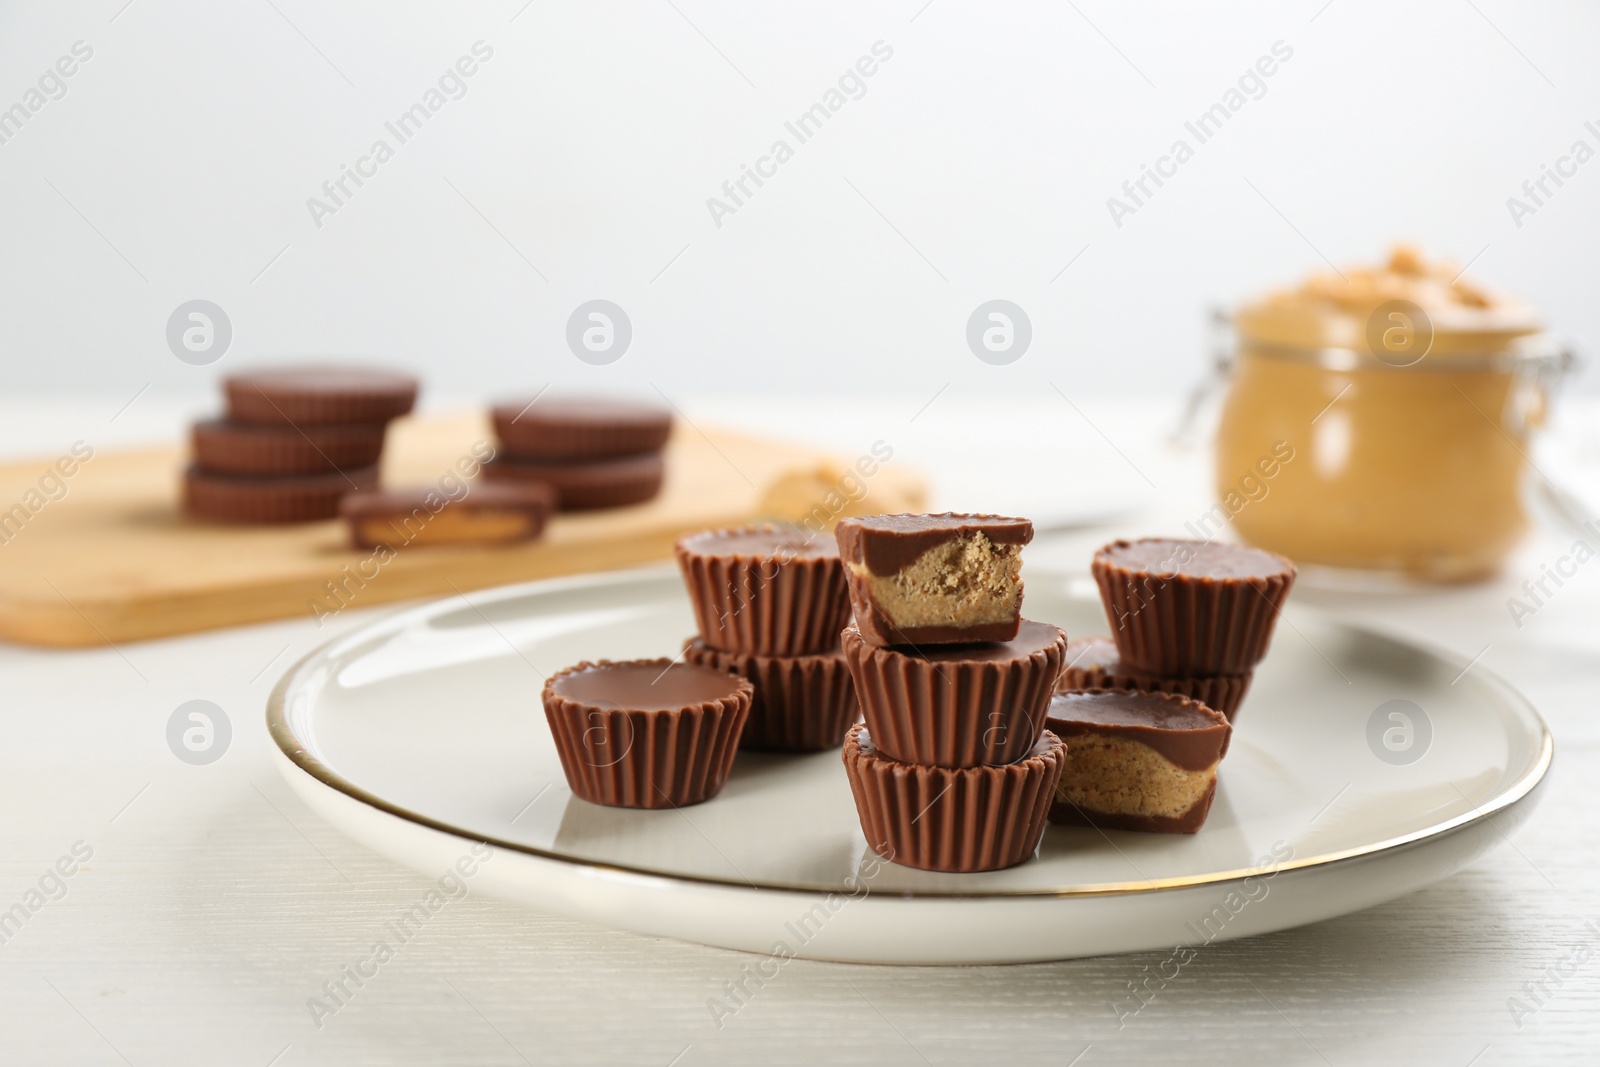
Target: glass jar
x,y
1380,422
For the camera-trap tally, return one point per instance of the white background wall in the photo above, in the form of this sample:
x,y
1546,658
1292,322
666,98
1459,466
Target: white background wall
x,y
977,165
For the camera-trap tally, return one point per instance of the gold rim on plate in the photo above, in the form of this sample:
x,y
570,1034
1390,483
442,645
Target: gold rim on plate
x,y
293,749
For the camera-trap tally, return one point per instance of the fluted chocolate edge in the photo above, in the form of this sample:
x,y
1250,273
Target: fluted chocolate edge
x,y
1181,625
953,819
1219,692
645,759
763,604
587,485
801,704
296,498
256,450
953,713
248,404
578,440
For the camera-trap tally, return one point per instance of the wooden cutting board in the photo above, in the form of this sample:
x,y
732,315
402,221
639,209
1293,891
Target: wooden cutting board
x,y
113,560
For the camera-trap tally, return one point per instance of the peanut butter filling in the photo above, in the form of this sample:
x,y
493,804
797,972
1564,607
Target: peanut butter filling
x,y
453,525
968,581
1115,775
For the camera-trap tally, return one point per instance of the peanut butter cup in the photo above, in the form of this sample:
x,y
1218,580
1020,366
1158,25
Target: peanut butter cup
x,y
934,579
605,483
957,705
1137,761
648,733
222,446
768,590
1093,663
319,393
1191,608
486,515
953,819
801,703
569,429
295,498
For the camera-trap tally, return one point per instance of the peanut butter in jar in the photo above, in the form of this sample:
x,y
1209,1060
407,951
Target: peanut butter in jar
x,y
1403,396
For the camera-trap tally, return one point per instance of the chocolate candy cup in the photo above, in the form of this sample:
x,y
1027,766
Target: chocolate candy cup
x,y
801,703
952,819
1137,761
1191,608
934,579
487,515
567,429
318,393
224,447
646,733
768,590
606,483
301,498
1093,663
957,705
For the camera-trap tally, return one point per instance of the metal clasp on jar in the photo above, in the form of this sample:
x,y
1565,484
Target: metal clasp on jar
x,y
1539,379
1219,336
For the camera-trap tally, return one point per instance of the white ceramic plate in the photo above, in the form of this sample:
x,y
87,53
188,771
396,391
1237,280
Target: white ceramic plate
x,y
422,734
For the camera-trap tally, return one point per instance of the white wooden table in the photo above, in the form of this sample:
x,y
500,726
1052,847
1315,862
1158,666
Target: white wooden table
x,y
215,905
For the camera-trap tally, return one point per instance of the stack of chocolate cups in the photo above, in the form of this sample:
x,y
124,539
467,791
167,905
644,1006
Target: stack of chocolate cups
x,y
294,441
953,769
1191,618
594,452
769,603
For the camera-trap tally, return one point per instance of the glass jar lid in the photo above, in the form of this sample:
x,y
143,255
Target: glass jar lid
x,y
1394,314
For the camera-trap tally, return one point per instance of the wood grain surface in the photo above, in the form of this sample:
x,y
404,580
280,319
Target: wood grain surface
x,y
103,553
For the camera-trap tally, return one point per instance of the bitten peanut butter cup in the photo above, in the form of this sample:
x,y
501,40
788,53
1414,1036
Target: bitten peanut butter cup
x,y
959,820
1180,608
298,498
225,447
957,705
314,394
487,515
769,590
801,703
1093,663
934,579
566,429
606,483
1137,761
649,733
